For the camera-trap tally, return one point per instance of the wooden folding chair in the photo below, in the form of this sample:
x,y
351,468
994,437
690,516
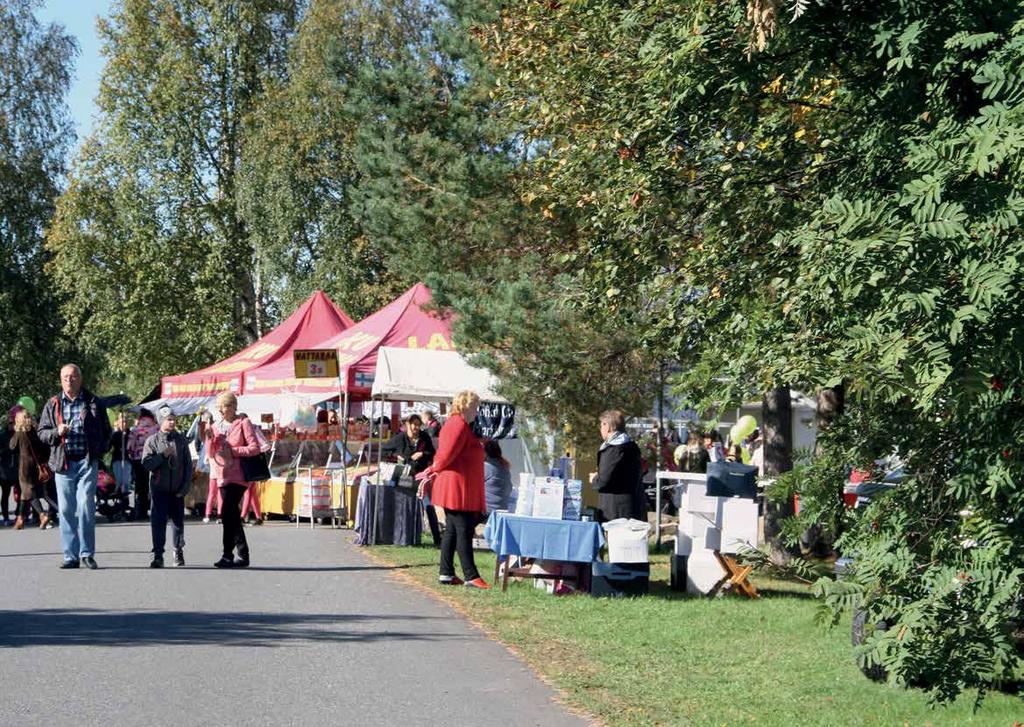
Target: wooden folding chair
x,y
736,577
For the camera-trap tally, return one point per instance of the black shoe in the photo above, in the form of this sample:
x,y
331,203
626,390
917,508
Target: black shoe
x,y
242,563
89,562
225,563
69,564
157,562
179,558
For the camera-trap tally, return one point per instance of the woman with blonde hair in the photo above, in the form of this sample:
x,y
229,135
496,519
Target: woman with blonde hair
x,y
456,481
31,453
227,441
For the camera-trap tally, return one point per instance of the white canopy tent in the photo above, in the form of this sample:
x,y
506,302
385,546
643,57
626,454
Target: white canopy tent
x,y
251,404
417,374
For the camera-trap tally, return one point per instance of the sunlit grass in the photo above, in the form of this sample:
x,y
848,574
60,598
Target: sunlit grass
x,y
670,659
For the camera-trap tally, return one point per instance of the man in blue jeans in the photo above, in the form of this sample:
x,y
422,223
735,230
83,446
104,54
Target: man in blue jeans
x,y
75,426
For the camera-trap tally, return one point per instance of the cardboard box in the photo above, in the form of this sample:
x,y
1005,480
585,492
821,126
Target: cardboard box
x,y
702,572
627,541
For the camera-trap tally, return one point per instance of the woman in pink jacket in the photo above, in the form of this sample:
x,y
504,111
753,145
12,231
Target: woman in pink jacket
x,y
226,441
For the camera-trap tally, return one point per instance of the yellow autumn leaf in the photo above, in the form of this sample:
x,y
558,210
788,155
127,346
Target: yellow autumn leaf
x,y
799,133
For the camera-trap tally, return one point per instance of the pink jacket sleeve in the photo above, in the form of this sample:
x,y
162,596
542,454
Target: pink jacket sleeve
x,y
247,445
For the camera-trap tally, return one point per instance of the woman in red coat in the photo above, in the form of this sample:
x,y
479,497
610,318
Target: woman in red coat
x,y
458,487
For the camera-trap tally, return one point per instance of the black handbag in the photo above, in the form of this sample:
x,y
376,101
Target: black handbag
x,y
255,468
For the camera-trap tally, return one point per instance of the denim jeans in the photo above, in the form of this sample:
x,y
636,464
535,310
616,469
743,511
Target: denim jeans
x,y
76,502
123,475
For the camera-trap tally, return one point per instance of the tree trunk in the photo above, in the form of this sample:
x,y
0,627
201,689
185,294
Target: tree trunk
x,y
831,404
777,420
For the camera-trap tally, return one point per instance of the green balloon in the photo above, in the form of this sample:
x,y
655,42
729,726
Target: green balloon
x,y
744,427
28,403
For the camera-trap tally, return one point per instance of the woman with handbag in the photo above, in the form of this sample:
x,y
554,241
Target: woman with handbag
x,y
228,442
251,500
33,470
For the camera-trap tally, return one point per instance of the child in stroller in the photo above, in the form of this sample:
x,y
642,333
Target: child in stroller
x,y
111,502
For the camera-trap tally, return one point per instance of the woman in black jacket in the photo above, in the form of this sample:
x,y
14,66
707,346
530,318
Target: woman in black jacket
x,y
618,478
414,447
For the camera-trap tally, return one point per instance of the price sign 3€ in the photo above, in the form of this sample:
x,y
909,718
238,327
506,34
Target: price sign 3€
x,y
315,363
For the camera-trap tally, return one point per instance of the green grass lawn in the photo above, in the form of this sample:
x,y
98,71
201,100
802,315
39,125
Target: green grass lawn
x,y
670,659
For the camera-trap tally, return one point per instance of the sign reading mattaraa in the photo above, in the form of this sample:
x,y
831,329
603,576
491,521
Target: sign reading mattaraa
x,y
316,363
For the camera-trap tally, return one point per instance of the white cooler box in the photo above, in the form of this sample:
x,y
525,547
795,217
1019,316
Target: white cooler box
x,y
627,540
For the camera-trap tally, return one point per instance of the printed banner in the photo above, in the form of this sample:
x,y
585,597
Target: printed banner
x,y
495,421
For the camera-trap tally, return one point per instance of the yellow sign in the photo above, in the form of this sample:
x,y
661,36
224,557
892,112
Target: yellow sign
x,y
316,363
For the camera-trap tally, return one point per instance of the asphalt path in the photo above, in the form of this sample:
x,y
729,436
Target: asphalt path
x,y
313,633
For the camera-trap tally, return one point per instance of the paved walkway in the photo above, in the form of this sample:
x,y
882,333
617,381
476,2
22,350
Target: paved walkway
x,y
312,634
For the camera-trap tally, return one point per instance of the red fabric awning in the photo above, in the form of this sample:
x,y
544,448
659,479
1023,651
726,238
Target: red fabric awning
x,y
315,320
402,323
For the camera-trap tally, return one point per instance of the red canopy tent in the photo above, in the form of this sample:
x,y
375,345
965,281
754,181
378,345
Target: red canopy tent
x,y
316,319
403,323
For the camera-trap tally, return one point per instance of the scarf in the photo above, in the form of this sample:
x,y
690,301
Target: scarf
x,y
616,440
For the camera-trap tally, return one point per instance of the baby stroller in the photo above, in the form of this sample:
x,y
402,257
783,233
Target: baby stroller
x,y
111,503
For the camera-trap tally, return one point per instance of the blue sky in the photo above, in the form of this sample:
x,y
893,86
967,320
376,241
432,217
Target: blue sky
x,y
79,19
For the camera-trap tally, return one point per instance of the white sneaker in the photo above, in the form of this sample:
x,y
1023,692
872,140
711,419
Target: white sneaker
x,y
206,520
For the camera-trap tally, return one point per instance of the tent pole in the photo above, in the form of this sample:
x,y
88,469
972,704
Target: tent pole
x,y
344,445
380,457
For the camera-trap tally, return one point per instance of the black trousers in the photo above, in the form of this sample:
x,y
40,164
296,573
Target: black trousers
x,y
231,518
141,489
166,505
458,536
435,526
5,495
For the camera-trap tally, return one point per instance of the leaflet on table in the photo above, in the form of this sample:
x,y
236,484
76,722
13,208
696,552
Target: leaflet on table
x,y
524,499
548,496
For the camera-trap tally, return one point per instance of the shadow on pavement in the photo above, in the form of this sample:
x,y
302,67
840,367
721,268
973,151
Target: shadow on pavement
x,y
56,554
91,627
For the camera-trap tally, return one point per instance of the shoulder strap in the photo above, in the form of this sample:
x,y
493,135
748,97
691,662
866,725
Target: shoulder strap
x,y
58,412
31,448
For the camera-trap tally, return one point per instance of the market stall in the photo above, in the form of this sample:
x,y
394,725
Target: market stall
x,y
428,376
318,318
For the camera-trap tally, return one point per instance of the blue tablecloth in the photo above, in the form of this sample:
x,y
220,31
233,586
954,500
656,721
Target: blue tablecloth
x,y
533,537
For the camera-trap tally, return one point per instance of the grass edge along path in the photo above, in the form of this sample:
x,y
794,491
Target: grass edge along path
x,y
461,606
671,660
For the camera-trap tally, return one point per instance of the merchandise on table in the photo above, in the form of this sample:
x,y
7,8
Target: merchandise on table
x,y
572,504
524,498
548,496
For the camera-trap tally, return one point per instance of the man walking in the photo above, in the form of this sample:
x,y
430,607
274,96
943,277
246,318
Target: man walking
x,y
75,426
165,454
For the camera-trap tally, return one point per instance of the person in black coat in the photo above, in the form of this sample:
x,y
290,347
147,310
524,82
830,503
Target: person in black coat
x,y
411,446
415,448
618,478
